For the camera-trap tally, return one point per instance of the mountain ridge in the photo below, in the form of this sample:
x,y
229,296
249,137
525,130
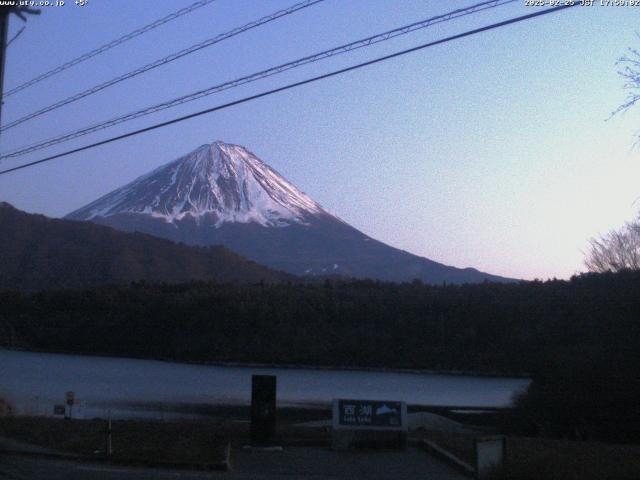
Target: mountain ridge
x,y
43,253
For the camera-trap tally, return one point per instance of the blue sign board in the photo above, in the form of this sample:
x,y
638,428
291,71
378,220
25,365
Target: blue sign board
x,y
369,414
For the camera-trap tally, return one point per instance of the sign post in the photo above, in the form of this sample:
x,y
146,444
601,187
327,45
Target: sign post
x,y
70,399
108,448
369,422
263,409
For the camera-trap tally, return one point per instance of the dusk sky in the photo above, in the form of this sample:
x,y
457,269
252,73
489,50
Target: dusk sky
x,y
493,151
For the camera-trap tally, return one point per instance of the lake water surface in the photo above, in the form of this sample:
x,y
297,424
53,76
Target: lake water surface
x,y
34,382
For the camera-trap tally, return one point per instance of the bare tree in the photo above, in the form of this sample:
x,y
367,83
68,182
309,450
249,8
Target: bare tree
x,y
620,249
615,251
630,72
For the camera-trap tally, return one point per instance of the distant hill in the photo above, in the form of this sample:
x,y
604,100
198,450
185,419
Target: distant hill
x,y
41,253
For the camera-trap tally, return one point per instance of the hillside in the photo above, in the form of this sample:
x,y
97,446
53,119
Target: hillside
x,y
40,253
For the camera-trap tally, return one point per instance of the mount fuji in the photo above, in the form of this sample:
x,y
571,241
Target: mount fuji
x,y
222,194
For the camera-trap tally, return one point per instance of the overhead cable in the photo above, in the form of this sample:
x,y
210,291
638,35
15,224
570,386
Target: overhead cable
x,y
293,85
163,61
371,40
109,46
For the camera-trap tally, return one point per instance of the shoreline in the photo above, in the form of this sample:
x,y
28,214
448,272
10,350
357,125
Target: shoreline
x,y
415,371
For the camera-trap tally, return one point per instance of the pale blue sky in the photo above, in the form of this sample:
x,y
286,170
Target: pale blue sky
x,y
491,151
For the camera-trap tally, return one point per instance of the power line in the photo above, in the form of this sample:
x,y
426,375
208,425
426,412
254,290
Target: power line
x,y
19,32
21,12
256,76
294,85
109,46
170,58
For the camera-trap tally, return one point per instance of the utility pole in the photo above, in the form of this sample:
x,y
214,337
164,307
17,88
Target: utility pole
x,y
5,11
4,31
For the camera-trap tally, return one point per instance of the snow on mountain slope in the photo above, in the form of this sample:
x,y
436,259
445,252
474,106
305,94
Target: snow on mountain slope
x,y
223,181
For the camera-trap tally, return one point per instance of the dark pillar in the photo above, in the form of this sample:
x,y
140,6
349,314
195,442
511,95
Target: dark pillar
x,y
263,409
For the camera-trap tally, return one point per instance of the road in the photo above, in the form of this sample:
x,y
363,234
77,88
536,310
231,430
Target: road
x,y
292,463
14,467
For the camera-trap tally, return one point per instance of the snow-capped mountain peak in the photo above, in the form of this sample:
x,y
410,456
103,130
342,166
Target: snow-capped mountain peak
x,y
224,182
222,194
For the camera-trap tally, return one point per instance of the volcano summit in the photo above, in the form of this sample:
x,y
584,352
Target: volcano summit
x,y
223,194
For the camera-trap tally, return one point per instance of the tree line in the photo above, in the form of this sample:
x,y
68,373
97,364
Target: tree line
x,y
506,328
578,339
